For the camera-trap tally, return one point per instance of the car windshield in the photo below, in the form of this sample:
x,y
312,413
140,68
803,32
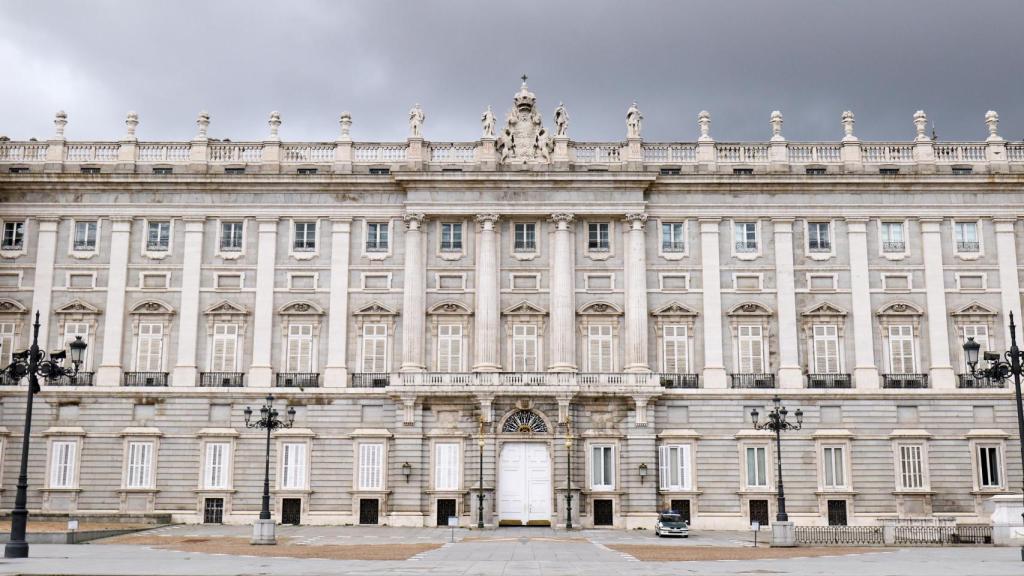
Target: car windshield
x,y
671,518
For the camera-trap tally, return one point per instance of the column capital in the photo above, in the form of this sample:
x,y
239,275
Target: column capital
x,y
562,218
487,221
413,220
636,220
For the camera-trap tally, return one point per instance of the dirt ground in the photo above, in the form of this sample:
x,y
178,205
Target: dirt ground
x,y
654,553
241,547
39,527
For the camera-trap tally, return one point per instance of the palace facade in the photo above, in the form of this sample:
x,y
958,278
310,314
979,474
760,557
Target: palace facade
x,y
447,318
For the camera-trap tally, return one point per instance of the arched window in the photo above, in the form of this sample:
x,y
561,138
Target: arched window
x,y
524,421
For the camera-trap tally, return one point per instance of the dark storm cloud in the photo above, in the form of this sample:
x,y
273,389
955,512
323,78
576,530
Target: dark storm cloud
x,y
311,60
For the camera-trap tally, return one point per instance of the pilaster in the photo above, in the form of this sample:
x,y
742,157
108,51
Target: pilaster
x,y
413,296
185,371
487,304
711,292
336,370
1009,278
42,285
261,373
563,298
790,374
109,371
941,372
865,372
636,295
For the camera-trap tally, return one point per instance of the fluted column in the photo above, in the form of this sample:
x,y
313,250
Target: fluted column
x,y
790,374
414,298
1009,280
109,371
261,373
42,284
865,372
185,371
487,313
711,291
636,294
336,370
940,374
563,299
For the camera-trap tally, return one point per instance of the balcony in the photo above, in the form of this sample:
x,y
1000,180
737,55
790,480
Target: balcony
x,y
8,380
371,379
679,380
968,247
222,379
904,380
298,380
523,378
145,379
894,247
971,381
79,379
753,380
613,378
829,381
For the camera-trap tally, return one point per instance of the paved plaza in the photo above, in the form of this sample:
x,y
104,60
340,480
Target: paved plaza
x,y
504,551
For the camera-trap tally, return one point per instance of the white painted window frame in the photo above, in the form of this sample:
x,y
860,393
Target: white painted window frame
x,y
84,254
231,254
157,254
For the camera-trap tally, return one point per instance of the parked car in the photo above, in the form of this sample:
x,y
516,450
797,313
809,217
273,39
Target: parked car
x,y
671,524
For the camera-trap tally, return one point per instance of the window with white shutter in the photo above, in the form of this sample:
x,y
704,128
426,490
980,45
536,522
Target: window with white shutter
x,y
140,465
375,348
215,471
602,464
911,467
751,353
300,348
150,356
371,466
71,331
599,348
980,334
6,343
225,347
674,467
62,463
446,466
834,467
901,350
449,348
676,351
826,349
524,348
757,467
293,466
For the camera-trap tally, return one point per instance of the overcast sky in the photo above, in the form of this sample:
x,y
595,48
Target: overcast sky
x,y
239,60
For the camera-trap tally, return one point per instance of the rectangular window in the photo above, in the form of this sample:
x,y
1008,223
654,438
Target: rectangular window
x,y
300,348
158,237
293,466
676,350
6,343
376,236
819,238
451,237
672,239
757,467
602,468
746,237
980,334
231,236
911,467
598,236
375,345
599,348
151,348
966,236
305,237
71,331
834,467
525,237
62,464
215,472
225,347
988,467
140,465
892,237
674,467
524,348
14,236
85,236
901,350
826,349
446,466
370,465
449,348
751,352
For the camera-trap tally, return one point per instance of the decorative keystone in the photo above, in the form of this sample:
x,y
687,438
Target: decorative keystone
x,y
921,126
776,121
848,127
275,124
203,123
132,122
704,122
992,121
59,122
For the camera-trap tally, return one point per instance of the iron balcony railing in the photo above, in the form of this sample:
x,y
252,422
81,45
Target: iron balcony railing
x,y
451,246
753,380
672,246
904,380
79,379
84,245
746,246
819,246
971,381
525,246
376,246
829,381
8,380
298,379
145,379
371,379
222,379
894,246
968,246
679,380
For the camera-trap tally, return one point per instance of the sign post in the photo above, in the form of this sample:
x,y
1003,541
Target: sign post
x,y
453,521
755,526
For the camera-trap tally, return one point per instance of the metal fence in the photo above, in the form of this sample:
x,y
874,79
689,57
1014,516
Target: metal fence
x,y
839,535
899,535
942,535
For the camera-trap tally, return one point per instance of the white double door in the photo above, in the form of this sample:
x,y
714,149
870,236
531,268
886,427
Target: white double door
x,y
524,484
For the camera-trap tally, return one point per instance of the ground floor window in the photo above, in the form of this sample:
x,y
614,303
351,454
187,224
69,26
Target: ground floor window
x,y
604,512
213,511
837,512
759,512
369,511
681,507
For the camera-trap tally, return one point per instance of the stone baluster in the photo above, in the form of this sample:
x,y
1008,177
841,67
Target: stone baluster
x,y
865,372
1009,278
790,374
487,304
110,368
261,372
336,370
42,284
711,280
636,294
941,373
185,371
563,298
413,296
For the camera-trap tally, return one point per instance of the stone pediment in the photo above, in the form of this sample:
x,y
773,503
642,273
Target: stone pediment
x,y
599,308
674,309
77,307
226,307
524,308
376,309
899,309
450,307
750,309
975,309
824,309
301,307
8,306
152,307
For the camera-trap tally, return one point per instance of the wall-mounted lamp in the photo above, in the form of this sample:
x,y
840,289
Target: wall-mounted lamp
x,y
407,471
643,472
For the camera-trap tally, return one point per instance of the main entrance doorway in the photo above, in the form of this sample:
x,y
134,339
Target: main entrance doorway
x,y
524,485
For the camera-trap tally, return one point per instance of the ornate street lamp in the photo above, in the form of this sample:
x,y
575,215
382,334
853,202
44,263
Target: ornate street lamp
x,y
777,423
263,529
1000,370
480,493
34,364
568,475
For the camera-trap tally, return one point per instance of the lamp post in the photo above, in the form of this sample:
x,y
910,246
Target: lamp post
x,y
777,423
480,493
34,364
263,529
1000,370
568,475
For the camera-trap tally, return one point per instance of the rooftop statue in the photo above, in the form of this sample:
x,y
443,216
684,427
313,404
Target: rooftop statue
x,y
416,119
561,121
524,137
488,121
633,121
